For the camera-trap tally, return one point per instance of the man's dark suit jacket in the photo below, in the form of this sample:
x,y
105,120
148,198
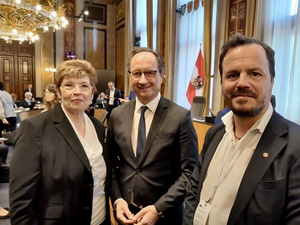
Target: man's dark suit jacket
x,y
27,90
117,95
168,160
51,178
269,193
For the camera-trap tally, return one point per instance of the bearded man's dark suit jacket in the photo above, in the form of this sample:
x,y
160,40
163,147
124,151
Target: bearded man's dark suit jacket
x,y
167,162
269,193
51,178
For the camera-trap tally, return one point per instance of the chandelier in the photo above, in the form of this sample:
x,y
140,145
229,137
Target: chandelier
x,y
25,20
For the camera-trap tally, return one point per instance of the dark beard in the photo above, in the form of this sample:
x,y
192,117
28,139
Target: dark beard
x,y
244,113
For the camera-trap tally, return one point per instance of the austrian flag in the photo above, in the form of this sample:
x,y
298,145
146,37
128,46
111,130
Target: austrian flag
x,y
196,83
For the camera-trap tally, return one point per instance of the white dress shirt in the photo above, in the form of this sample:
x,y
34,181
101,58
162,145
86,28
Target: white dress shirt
x,y
111,96
94,150
149,114
228,165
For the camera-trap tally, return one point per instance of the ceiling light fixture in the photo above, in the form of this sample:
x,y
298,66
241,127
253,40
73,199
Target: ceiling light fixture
x,y
30,18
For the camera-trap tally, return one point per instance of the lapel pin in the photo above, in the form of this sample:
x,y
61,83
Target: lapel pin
x,y
265,155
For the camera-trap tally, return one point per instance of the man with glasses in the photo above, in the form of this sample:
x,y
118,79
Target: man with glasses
x,y
153,148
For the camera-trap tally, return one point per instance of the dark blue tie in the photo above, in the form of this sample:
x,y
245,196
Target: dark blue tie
x,y
141,141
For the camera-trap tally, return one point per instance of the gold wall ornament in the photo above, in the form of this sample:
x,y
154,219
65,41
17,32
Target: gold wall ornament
x,y
237,17
25,20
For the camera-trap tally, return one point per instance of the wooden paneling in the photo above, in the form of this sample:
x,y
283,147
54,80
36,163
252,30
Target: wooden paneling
x,y
7,72
6,48
98,114
95,47
201,129
237,17
26,114
120,57
16,66
25,50
70,30
7,65
97,14
120,11
25,72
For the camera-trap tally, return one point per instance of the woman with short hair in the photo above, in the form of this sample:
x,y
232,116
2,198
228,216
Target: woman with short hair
x,y
28,100
59,172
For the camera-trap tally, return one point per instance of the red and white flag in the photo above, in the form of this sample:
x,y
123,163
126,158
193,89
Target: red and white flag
x,y
196,83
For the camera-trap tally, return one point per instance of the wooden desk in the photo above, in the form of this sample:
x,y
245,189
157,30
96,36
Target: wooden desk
x,y
26,114
201,129
98,113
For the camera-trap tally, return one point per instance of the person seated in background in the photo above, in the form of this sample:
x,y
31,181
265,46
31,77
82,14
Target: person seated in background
x,y
122,100
17,103
3,153
220,114
101,102
51,97
4,212
91,109
131,95
28,101
128,98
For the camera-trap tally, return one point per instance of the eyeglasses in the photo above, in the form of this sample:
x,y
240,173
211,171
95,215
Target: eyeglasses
x,y
81,87
136,75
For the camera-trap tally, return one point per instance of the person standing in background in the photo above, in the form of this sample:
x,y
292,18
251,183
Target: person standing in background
x,y
112,96
8,115
29,89
153,147
101,102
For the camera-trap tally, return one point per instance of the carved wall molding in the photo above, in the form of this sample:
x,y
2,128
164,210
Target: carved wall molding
x,y
107,2
120,11
237,17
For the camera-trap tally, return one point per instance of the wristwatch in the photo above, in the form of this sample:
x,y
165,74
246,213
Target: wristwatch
x,y
159,213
